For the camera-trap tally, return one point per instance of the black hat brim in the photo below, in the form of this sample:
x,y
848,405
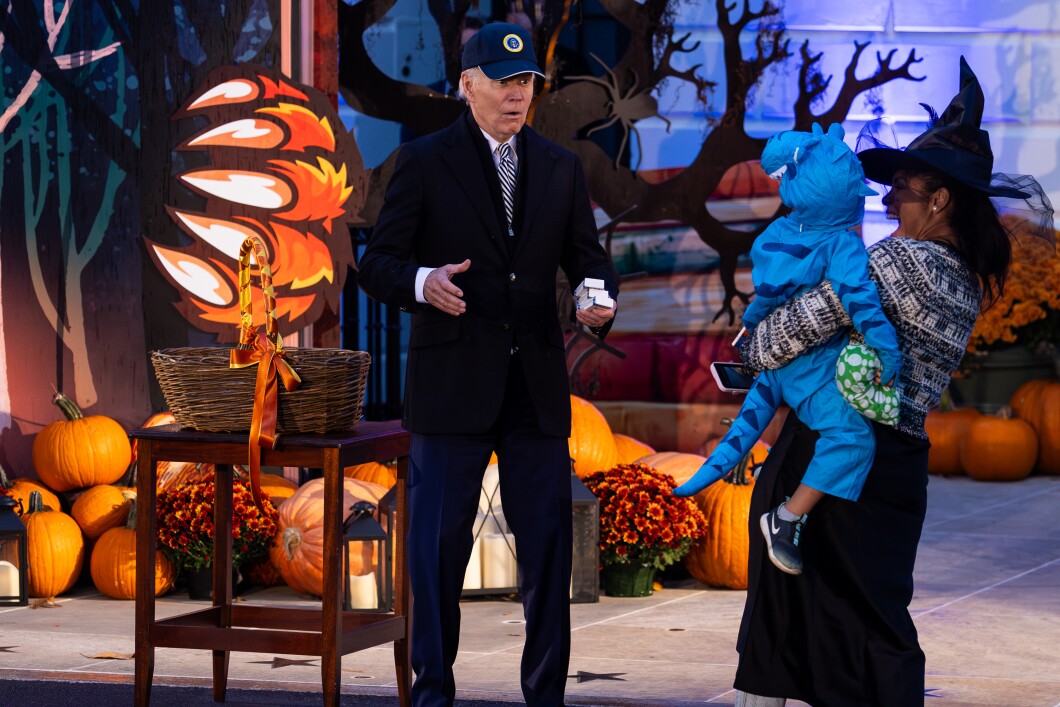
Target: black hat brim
x,y
881,163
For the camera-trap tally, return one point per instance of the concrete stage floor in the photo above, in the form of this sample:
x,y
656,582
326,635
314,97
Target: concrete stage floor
x,y
987,606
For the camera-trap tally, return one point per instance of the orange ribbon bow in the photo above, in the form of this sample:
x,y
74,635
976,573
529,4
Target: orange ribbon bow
x,y
272,363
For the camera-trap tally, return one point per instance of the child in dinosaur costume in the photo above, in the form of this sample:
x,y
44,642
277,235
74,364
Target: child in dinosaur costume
x,y
822,181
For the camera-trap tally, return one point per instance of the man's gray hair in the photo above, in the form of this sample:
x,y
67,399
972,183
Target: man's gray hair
x,y
474,72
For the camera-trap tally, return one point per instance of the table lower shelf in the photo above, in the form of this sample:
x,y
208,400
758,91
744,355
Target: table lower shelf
x,y
268,629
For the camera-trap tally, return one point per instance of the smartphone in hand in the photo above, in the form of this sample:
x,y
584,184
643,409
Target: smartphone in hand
x,y
731,377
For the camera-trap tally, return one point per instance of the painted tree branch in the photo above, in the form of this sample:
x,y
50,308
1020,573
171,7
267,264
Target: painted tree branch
x,y
21,25
812,85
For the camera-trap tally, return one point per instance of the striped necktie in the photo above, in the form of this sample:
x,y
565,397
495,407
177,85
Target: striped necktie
x,y
506,172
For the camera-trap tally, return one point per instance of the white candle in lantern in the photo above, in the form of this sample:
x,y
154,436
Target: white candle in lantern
x,y
8,579
473,574
498,561
363,593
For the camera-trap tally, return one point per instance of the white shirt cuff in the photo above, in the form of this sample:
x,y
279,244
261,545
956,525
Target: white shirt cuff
x,y
421,277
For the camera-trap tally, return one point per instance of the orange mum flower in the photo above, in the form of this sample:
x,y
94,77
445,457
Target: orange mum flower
x,y
641,521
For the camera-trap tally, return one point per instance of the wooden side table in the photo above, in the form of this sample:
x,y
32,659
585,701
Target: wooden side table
x,y
327,632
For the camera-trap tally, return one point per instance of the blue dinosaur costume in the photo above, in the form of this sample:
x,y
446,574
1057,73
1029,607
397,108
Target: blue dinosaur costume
x,y
823,183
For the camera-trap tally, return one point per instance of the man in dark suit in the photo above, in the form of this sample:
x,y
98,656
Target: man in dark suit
x,y
477,219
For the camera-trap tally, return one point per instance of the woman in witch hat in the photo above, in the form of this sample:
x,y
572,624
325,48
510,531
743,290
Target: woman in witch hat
x,y
840,633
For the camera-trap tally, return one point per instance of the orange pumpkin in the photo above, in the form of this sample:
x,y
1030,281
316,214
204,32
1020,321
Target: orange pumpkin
x,y
945,430
680,465
80,451
113,562
1024,402
757,455
720,558
159,418
382,474
21,488
101,508
1038,402
277,488
999,448
630,449
55,549
591,442
298,549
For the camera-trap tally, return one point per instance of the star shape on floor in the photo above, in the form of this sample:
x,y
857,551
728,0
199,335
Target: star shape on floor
x,y
7,649
285,662
930,692
583,676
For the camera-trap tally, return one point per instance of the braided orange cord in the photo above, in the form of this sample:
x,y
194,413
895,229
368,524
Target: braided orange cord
x,y
248,333
266,353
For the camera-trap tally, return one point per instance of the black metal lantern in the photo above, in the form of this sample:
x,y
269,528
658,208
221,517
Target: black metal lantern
x,y
13,564
370,592
585,564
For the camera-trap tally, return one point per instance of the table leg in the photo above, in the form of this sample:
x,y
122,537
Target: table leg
x,y
146,545
222,570
331,614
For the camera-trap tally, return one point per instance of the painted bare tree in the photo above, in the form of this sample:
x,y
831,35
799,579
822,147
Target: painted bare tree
x,y
41,139
87,91
625,94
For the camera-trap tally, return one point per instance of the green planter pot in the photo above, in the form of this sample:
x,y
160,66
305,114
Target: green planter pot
x,y
997,376
628,580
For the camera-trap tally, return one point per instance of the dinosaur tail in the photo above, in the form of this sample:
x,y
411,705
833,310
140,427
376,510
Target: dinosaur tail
x,y
757,411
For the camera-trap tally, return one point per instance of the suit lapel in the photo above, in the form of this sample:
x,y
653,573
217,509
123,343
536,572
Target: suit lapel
x,y
537,162
462,158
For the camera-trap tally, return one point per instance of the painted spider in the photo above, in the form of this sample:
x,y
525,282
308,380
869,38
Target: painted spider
x,y
625,107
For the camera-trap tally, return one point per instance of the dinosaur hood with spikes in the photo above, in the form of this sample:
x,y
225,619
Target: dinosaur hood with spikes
x,y
821,179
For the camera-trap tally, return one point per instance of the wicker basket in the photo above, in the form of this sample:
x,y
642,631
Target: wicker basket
x,y
207,390
205,394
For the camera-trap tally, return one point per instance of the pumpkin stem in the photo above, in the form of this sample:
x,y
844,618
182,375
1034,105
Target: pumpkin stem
x,y
291,539
131,523
36,502
68,406
5,482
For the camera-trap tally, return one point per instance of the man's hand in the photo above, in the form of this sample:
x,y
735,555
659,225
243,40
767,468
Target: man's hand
x,y
441,293
596,316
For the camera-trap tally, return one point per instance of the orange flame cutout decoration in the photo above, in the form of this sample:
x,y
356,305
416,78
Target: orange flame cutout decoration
x,y
306,128
276,168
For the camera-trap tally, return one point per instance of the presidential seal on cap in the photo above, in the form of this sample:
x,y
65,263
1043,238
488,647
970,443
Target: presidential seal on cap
x,y
501,50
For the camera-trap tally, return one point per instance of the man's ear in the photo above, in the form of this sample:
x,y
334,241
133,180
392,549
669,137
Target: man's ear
x,y
466,86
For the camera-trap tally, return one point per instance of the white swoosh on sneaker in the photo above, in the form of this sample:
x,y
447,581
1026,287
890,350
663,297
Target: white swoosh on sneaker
x,y
773,523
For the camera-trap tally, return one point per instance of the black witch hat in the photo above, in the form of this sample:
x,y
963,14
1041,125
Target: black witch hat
x,y
955,145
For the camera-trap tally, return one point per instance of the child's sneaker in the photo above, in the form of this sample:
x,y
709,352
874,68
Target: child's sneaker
x,y
782,539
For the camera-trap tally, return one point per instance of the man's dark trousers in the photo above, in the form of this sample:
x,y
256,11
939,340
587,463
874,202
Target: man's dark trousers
x,y
445,480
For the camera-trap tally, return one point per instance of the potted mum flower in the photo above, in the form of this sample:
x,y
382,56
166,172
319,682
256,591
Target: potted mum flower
x,y
643,526
185,526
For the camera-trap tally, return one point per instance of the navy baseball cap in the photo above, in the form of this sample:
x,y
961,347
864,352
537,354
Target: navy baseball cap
x,y
501,50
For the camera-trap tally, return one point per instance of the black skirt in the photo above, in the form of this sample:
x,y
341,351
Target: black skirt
x,y
840,633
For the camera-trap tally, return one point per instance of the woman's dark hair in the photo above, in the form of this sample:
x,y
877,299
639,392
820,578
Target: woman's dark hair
x,y
981,237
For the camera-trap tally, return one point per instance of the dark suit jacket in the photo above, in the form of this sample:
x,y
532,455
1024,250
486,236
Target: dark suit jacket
x,y
443,205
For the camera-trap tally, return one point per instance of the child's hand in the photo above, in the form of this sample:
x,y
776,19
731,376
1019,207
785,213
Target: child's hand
x,y
892,364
